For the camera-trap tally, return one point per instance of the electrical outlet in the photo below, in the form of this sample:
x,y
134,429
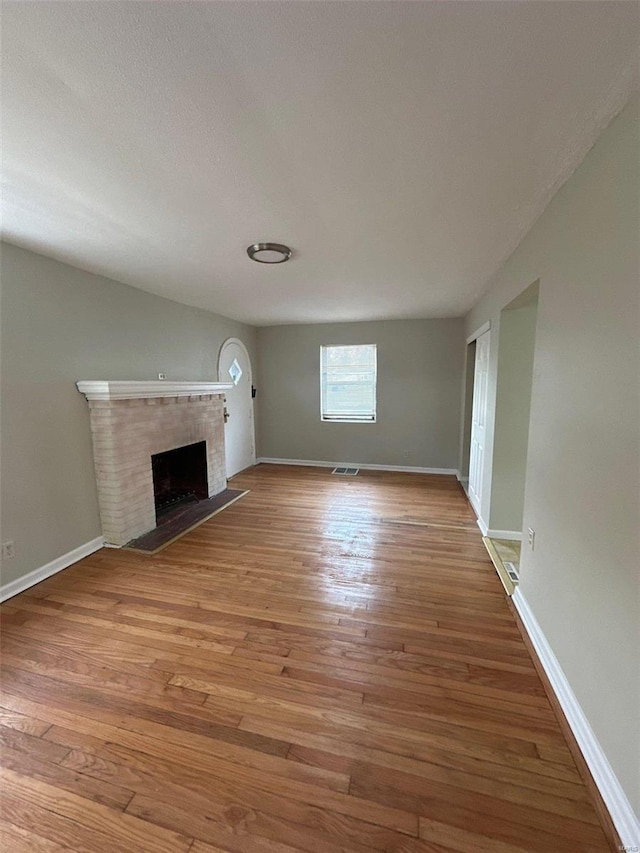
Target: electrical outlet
x,y
531,538
406,454
162,376
8,549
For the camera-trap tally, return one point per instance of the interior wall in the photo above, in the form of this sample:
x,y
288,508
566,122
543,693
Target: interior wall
x,y
513,406
582,474
60,324
418,394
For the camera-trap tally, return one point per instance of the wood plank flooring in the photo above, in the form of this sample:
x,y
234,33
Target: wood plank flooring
x,y
328,665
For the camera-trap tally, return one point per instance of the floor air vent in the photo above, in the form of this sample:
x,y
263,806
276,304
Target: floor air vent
x,y
351,471
511,571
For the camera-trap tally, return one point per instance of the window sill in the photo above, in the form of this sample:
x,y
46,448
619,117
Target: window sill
x,y
348,420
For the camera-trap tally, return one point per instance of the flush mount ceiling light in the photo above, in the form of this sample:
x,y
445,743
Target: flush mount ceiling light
x,y
269,253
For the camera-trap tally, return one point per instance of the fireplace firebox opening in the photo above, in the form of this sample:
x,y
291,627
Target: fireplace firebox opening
x,y
179,477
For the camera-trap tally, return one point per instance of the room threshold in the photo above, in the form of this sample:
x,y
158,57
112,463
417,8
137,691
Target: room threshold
x,y
505,556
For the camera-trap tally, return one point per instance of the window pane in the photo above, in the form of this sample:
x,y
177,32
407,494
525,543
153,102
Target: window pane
x,y
348,382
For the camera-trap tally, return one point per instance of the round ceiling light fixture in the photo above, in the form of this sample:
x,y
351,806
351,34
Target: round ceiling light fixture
x,y
269,253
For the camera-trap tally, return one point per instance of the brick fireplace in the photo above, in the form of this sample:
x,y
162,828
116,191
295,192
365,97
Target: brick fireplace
x,y
131,422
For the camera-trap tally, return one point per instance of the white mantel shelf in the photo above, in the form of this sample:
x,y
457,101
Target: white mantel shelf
x,y
132,389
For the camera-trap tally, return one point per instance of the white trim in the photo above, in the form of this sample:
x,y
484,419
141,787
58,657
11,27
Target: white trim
x,y
484,328
464,482
240,343
314,463
483,527
328,419
512,535
134,389
615,799
14,587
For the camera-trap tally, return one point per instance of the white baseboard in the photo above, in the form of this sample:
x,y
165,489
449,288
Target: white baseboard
x,y
479,519
483,527
464,482
625,820
14,587
512,535
315,463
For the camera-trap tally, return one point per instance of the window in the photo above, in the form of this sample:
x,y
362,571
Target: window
x,y
348,383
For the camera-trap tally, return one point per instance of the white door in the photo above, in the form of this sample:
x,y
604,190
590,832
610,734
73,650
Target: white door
x,y
234,366
478,421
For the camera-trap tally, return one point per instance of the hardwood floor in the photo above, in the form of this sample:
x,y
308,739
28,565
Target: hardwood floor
x,y
328,665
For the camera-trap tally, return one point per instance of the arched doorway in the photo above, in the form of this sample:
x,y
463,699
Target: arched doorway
x,y
234,365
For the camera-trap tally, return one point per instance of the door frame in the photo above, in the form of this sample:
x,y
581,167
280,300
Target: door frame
x,y
479,418
467,404
485,327
241,344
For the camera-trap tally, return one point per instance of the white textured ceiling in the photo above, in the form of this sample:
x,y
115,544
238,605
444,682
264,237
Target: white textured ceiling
x,y
401,149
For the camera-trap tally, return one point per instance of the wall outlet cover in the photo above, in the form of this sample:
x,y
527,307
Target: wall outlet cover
x,y
8,550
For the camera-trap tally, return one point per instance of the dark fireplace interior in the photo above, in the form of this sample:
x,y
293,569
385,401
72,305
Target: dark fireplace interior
x,y
179,477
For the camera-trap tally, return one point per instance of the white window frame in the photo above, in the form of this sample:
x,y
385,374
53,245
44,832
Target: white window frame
x,y
348,418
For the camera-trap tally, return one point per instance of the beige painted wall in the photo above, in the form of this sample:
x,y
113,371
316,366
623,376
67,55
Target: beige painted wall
x,y
60,324
513,404
418,409
582,495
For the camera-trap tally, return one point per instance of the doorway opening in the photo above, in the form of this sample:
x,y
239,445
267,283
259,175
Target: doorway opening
x,y
476,418
469,370
511,432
